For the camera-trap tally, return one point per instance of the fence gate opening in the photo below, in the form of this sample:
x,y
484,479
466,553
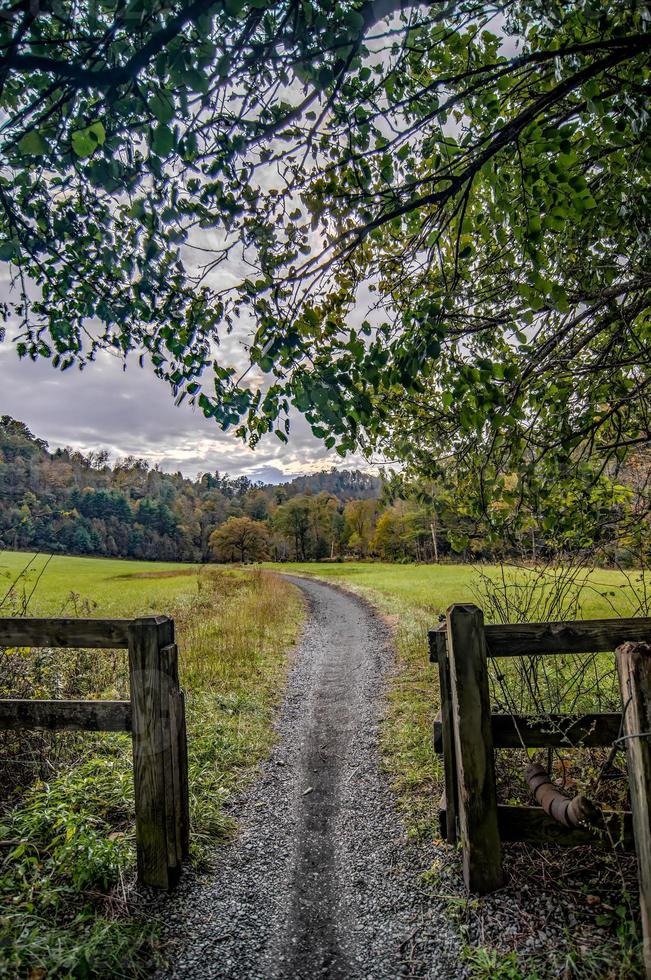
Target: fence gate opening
x,y
155,716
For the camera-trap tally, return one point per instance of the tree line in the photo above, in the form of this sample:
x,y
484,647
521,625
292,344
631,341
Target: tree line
x,y
73,503
70,503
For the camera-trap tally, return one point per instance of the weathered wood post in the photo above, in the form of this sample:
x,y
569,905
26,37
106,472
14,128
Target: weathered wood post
x,y
477,795
439,651
156,769
183,800
175,755
171,759
634,669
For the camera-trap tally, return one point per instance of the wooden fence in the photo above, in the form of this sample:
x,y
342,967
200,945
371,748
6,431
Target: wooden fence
x,y
466,734
155,717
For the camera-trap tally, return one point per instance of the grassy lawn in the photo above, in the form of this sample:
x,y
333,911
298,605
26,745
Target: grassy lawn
x,y
56,585
67,856
432,588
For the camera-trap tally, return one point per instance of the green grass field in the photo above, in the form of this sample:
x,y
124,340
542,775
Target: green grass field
x,y
111,587
131,588
432,588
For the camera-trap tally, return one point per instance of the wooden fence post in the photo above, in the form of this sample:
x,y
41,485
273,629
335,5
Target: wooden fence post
x,y
168,658
158,862
634,669
438,640
185,779
176,756
477,795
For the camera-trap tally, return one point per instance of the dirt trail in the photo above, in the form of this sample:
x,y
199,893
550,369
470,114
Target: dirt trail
x,y
320,882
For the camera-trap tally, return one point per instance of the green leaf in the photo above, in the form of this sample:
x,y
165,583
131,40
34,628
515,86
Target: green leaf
x,y
86,141
32,144
8,251
324,76
162,140
162,107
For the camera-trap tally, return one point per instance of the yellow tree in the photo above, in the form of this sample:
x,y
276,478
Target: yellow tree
x,y
360,519
240,539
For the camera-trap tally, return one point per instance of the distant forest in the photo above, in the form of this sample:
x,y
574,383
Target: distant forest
x,y
70,503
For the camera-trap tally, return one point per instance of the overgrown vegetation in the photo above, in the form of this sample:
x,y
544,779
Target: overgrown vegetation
x,y
592,895
67,887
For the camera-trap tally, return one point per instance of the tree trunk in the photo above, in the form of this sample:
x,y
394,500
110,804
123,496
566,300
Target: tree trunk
x,y
433,529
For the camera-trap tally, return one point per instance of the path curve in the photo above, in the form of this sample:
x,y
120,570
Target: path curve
x,y
320,882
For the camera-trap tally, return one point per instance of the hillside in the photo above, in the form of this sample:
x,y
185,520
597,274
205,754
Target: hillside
x,y
67,502
344,484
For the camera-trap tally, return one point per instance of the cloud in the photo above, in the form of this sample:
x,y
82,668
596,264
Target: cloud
x,y
132,413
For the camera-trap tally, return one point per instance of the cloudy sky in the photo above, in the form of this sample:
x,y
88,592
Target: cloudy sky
x,y
132,412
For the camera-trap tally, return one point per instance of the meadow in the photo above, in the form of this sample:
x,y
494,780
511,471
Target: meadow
x,y
59,585
432,588
69,905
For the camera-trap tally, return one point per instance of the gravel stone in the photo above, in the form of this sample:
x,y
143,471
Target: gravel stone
x,y
321,881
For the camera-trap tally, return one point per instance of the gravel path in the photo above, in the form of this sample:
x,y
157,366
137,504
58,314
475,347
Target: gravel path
x,y
320,882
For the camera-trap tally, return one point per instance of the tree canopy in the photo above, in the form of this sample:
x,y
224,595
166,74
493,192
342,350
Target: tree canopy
x,y
240,539
473,175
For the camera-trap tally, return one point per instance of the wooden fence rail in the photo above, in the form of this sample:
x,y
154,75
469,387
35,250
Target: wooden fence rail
x,y
154,715
466,734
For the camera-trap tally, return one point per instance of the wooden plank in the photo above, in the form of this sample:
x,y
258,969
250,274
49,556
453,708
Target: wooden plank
x,y
634,669
437,733
184,776
443,816
146,638
68,716
554,731
473,737
180,774
168,659
440,630
447,737
83,633
579,636
532,825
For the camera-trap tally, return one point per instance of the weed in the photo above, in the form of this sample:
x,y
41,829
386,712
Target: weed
x,y
490,964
